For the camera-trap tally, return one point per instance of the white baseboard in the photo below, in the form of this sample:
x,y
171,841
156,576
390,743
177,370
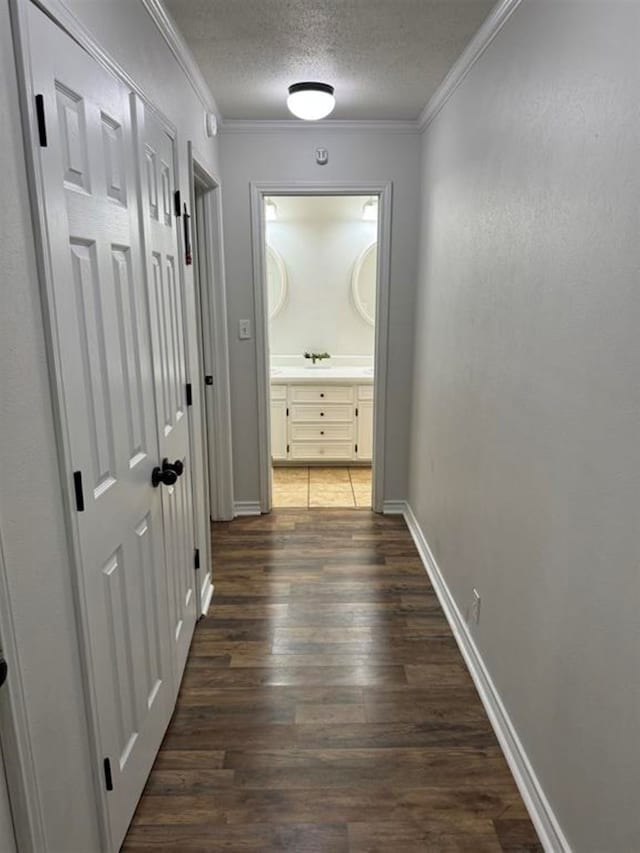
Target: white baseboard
x,y
246,508
206,594
394,508
544,820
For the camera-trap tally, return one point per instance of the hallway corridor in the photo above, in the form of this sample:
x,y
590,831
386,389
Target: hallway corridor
x,y
325,705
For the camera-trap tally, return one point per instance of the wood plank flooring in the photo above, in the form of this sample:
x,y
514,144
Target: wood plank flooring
x,y
325,707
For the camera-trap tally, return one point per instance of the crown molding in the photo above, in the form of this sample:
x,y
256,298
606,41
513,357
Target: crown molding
x,y
324,125
463,65
178,46
490,28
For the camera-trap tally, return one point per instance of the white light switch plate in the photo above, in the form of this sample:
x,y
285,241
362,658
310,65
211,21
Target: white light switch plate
x,y
244,330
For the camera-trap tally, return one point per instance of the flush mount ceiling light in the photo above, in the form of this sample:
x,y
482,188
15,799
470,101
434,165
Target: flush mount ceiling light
x,y
370,210
270,210
311,101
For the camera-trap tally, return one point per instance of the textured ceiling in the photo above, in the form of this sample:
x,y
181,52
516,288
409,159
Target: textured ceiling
x,y
384,57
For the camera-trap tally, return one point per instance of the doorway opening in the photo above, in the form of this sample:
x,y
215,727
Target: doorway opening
x,y
320,297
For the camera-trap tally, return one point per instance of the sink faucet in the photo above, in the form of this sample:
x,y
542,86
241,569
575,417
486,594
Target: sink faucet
x,y
316,356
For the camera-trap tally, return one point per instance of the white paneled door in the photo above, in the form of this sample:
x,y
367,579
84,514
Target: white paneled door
x,y
157,157
120,382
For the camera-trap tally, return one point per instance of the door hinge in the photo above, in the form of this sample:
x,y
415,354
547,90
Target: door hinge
x,y
356,448
108,781
356,411
77,485
177,208
196,558
287,412
287,448
189,394
42,125
208,380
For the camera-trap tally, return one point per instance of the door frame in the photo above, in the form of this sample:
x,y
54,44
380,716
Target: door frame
x,y
213,343
382,190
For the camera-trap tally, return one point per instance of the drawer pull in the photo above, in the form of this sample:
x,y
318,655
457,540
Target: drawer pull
x,y
321,432
321,414
322,393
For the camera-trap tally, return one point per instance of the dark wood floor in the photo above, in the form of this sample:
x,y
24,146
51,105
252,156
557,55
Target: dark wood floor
x,y
325,706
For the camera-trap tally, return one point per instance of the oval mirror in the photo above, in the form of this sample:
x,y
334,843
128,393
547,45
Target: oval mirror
x,y
276,281
364,281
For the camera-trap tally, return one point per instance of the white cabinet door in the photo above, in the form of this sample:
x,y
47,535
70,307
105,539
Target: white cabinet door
x,y
365,430
279,429
104,377
157,159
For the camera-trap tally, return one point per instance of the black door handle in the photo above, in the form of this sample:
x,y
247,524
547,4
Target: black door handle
x,y
166,476
176,466
4,669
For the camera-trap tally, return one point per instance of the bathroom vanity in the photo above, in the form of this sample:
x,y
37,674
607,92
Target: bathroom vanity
x,y
321,415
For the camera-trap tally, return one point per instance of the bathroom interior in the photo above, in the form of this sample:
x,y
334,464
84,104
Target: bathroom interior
x,y
321,273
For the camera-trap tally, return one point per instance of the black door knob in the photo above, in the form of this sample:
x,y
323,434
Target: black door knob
x,y
166,476
176,466
3,670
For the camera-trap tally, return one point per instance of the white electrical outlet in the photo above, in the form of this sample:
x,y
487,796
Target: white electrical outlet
x,y
244,330
474,609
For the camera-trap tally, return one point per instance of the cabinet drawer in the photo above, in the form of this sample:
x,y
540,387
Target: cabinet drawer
x,y
321,413
330,451
365,392
321,432
278,392
321,393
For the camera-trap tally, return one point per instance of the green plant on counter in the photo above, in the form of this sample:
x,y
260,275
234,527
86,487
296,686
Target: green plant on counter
x,y
316,356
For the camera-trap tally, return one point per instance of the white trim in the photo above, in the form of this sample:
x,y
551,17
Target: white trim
x,y
539,808
206,594
261,322
212,308
394,507
179,48
246,508
382,189
490,28
326,125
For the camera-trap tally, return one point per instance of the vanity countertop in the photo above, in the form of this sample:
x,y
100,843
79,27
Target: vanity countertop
x,y
321,373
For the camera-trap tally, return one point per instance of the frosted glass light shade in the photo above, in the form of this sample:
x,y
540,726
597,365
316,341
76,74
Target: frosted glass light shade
x,y
311,101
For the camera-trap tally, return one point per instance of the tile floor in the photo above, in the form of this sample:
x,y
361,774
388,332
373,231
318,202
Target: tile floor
x,y
322,487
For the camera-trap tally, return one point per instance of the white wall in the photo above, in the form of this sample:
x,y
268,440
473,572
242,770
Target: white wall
x,y
319,240
525,458
32,528
288,155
